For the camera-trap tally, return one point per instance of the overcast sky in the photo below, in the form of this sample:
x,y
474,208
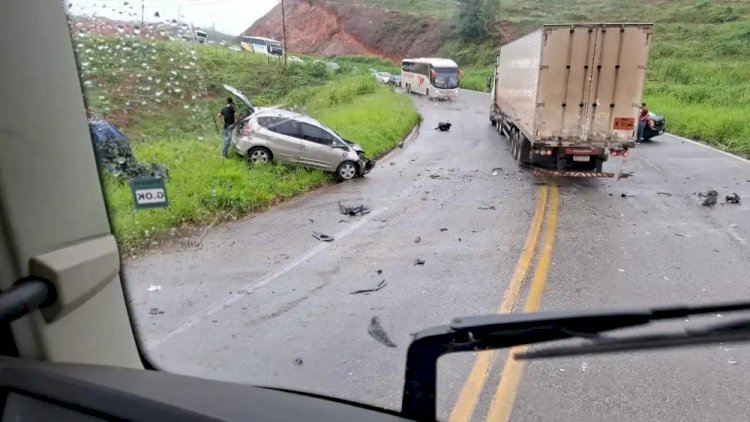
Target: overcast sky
x,y
228,16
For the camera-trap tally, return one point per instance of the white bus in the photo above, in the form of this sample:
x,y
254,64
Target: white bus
x,y
435,78
201,35
262,45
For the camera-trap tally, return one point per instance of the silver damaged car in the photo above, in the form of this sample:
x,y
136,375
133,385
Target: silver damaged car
x,y
273,134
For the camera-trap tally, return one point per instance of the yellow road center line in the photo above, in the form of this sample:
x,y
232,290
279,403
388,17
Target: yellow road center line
x,y
470,392
502,405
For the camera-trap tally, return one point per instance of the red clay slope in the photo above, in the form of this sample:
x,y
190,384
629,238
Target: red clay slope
x,y
324,28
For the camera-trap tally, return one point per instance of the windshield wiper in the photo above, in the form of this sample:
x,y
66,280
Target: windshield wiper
x,y
500,331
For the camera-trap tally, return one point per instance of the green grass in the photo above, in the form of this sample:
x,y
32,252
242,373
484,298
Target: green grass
x,y
203,187
165,96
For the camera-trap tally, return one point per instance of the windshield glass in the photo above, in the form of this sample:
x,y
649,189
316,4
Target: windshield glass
x,y
278,260
445,77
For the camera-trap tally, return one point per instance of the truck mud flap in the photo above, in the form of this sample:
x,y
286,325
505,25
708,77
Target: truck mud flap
x,y
580,174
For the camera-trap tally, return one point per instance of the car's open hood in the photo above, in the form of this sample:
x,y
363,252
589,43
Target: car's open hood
x,y
239,94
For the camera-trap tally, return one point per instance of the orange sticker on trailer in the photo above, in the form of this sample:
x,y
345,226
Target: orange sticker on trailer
x,y
624,123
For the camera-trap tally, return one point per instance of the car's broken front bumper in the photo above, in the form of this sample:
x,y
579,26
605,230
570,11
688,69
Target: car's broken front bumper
x,y
367,165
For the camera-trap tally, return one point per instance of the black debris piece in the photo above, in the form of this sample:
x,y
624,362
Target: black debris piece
x,y
322,237
401,145
419,261
709,198
733,198
540,183
417,239
443,229
437,176
156,14
353,211
664,193
487,208
380,272
114,155
444,126
311,220
459,239
298,361
371,290
680,235
624,175
344,221
376,331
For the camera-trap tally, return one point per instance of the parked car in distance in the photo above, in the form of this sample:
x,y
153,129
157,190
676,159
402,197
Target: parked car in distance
x,y
394,80
294,59
656,125
382,77
273,134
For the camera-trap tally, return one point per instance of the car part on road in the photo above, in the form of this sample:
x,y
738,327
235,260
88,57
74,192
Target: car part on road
x,y
487,208
323,237
444,126
417,239
664,193
419,261
299,361
371,290
353,211
733,198
710,198
377,332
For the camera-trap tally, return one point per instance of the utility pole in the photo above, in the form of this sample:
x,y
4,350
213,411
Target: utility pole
x,y
143,9
179,10
283,26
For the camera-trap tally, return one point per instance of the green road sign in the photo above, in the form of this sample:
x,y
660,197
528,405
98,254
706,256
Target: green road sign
x,y
149,192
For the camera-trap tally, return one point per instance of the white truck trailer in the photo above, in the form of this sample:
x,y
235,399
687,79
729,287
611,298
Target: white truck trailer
x,y
569,96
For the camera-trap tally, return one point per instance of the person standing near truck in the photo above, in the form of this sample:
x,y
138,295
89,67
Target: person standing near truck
x,y
227,116
642,121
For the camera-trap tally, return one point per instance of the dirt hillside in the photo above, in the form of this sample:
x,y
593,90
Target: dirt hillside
x,y
325,28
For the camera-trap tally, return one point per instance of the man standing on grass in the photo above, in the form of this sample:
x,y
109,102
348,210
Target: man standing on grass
x,y
227,116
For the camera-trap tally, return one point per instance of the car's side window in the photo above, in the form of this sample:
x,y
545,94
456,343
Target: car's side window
x,y
316,134
287,127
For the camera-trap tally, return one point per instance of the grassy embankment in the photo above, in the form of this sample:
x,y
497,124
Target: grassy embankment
x,y
699,72
164,96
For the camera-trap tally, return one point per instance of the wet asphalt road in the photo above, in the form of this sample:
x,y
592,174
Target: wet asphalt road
x,y
261,301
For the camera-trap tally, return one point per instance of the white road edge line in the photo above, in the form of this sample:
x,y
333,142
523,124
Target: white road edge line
x,y
152,344
701,144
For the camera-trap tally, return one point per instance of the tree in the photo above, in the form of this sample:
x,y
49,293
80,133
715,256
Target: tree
x,y
476,18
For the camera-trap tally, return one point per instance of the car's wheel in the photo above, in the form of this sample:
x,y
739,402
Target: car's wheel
x,y
259,155
408,88
347,170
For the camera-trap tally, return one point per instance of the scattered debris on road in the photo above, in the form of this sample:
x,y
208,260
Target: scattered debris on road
x,y
322,237
380,272
680,235
376,331
353,211
496,170
311,221
487,208
299,361
155,311
437,176
709,198
624,175
664,193
371,290
733,198
625,195
443,229
419,261
153,288
444,126
417,239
